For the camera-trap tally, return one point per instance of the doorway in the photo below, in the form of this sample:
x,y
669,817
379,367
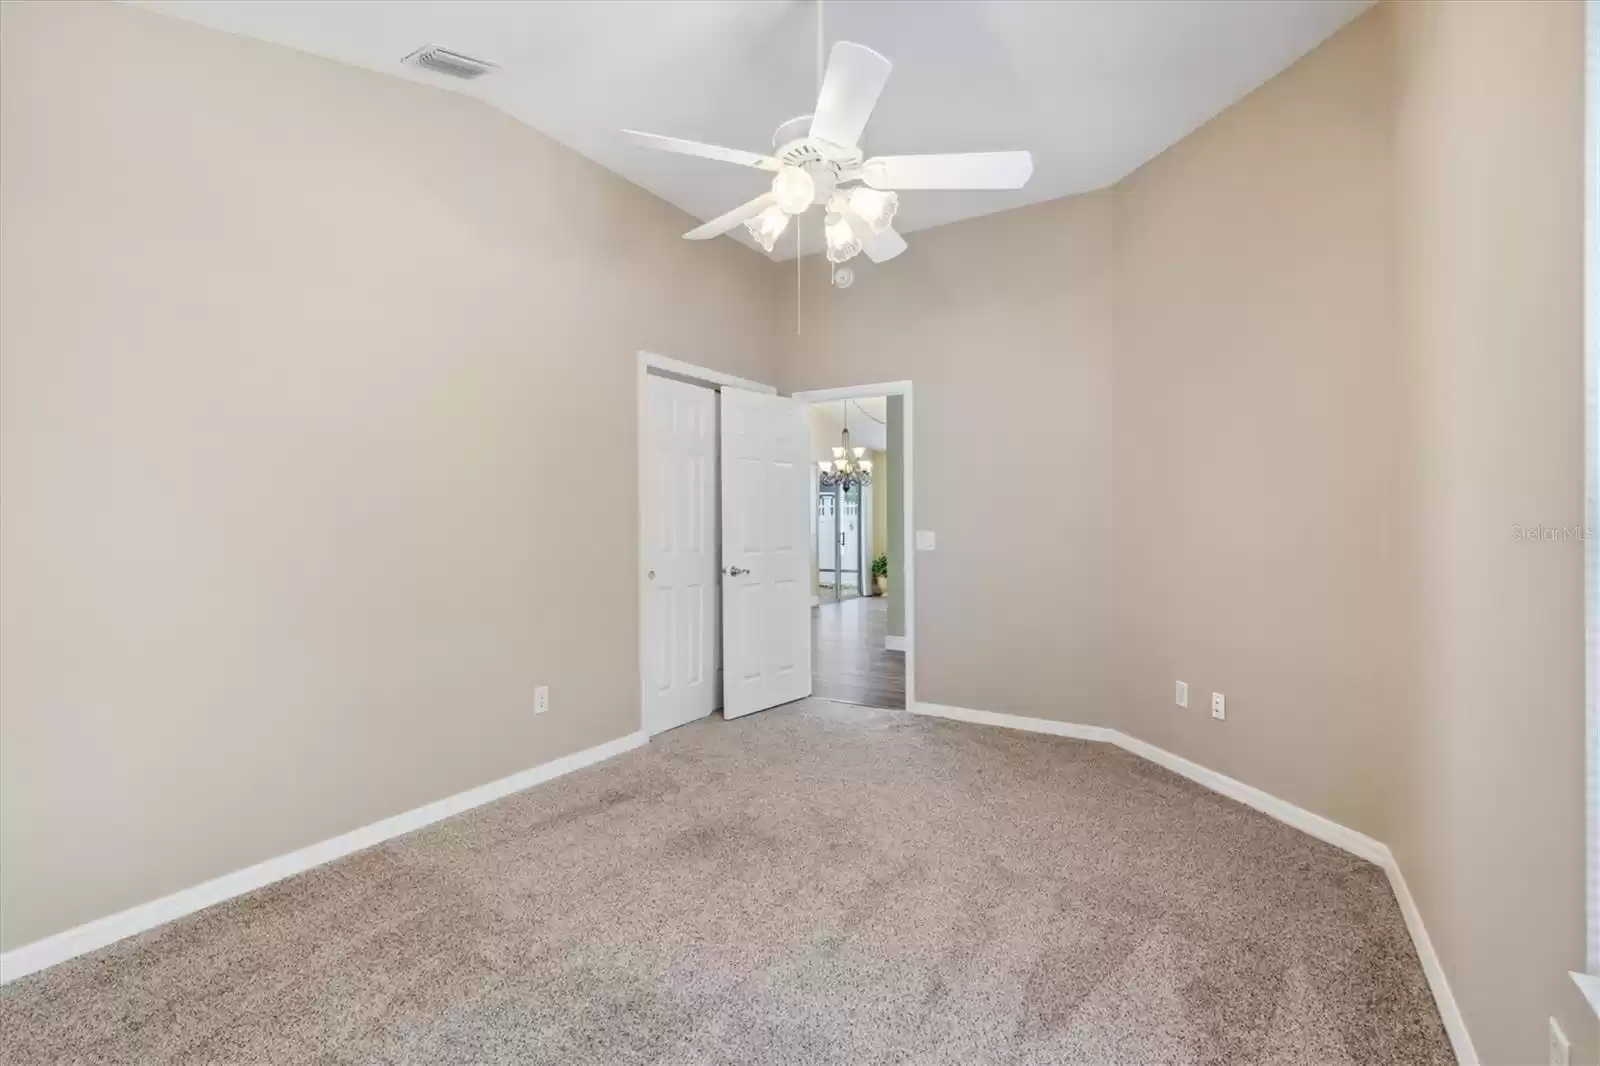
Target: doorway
x,y
724,525
858,630
841,547
728,549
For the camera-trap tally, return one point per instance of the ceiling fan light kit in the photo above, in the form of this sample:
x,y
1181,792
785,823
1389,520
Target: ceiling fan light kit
x,y
843,244
794,190
768,226
817,156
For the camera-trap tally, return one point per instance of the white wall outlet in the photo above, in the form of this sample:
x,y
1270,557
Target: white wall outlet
x,y
1181,695
926,541
1219,706
1560,1048
541,699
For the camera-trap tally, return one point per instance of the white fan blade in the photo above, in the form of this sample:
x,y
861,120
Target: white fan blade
x,y
723,223
968,170
850,88
879,247
705,151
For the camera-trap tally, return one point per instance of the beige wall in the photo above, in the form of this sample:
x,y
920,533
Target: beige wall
x,y
1005,326
1343,360
293,370
895,439
1257,423
1489,827
880,503
309,383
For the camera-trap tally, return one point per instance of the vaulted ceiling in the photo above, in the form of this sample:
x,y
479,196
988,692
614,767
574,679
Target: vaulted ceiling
x,y
1092,88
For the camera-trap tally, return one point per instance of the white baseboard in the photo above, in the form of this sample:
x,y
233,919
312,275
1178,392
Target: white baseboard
x,y
816,601
1455,1026
894,643
1017,721
1340,836
1312,824
102,932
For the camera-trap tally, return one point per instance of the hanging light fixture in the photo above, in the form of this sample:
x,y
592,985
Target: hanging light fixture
x,y
875,206
850,468
843,243
768,226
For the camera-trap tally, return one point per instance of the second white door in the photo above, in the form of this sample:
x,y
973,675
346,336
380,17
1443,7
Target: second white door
x,y
766,554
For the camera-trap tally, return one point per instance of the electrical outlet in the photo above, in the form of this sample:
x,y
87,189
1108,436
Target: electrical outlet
x,y
541,699
1219,706
1560,1048
1182,694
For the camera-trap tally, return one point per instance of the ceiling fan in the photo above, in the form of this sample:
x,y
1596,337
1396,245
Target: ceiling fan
x,y
817,161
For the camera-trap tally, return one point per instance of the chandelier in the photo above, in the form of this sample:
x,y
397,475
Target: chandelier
x,y
850,468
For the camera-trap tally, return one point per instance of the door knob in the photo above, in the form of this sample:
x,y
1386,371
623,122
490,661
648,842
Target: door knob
x,y
651,575
734,571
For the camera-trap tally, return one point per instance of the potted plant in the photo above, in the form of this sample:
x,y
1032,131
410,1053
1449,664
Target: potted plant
x,y
880,575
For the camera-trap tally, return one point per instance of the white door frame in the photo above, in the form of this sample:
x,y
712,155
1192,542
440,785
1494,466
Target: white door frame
x,y
908,549
667,366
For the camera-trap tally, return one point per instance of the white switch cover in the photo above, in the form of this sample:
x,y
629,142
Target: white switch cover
x,y
1560,1048
925,540
541,699
1182,694
1219,706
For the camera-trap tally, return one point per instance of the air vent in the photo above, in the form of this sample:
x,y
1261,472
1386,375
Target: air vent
x,y
451,64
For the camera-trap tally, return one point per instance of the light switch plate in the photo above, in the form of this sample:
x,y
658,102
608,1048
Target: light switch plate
x,y
1181,694
926,540
1219,706
541,699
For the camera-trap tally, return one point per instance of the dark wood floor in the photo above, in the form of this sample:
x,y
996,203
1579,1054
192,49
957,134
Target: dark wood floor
x,y
848,660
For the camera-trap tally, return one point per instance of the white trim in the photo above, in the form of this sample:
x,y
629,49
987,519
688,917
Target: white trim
x,y
1324,829
103,932
649,361
854,392
816,601
1455,1026
894,643
1589,985
1016,721
907,501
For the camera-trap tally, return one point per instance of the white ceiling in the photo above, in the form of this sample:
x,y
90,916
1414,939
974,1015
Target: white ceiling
x,y
1093,88
868,423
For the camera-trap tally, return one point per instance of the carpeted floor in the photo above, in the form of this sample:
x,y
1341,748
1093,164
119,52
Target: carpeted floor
x,y
816,884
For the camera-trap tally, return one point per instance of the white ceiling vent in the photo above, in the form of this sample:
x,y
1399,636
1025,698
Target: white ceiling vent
x,y
451,64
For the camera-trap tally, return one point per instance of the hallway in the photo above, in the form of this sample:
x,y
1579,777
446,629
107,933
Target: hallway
x,y
849,661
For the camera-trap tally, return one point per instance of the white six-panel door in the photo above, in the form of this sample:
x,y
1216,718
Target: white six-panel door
x,y
682,651
766,552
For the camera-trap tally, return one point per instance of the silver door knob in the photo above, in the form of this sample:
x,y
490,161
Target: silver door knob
x,y
651,575
734,571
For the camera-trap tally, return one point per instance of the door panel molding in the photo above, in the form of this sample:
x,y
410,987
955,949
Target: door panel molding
x,y
654,365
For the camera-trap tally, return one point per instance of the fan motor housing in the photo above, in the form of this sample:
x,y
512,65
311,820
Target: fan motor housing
x,y
793,146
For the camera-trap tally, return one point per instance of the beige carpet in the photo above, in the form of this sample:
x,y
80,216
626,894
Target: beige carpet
x,y
816,884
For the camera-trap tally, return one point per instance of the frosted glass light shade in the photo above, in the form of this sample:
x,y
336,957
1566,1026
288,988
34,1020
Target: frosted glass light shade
x,y
860,452
768,226
875,206
838,452
793,189
866,466
843,243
